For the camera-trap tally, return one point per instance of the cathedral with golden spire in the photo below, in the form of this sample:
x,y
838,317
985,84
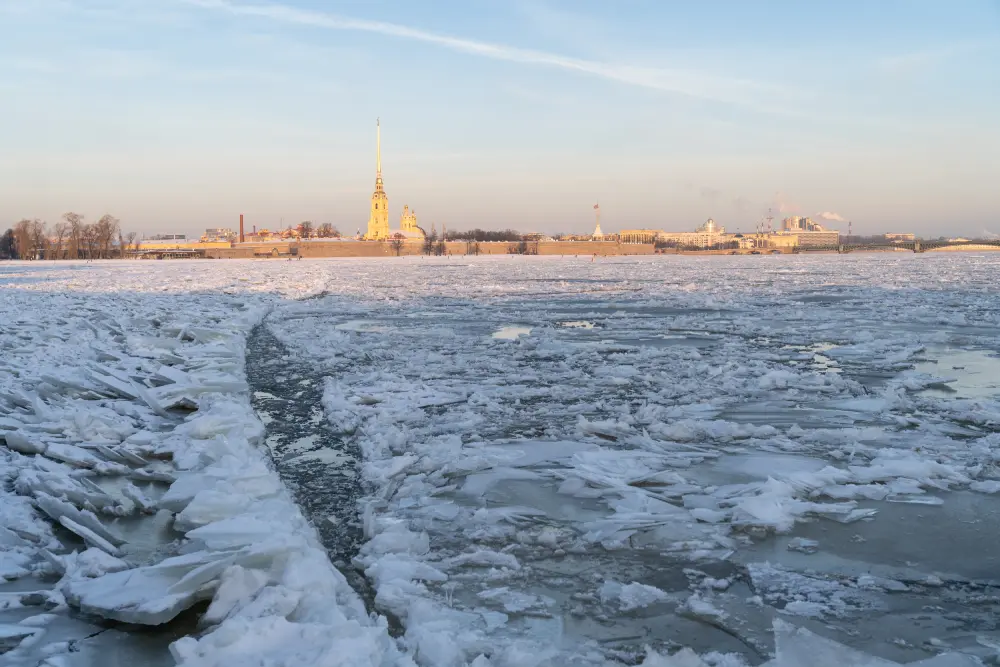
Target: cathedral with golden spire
x,y
378,220
408,222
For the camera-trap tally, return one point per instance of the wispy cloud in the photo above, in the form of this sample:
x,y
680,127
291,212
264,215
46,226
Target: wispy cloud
x,y
720,198
558,25
701,85
131,65
782,203
921,61
537,96
710,193
31,64
741,203
828,215
22,8
101,63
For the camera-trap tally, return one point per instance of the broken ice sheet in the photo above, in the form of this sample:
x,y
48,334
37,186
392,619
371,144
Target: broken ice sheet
x,y
631,596
803,545
514,601
796,646
11,636
664,408
148,595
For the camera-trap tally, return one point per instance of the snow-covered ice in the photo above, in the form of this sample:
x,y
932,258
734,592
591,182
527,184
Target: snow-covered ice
x,y
753,459
122,392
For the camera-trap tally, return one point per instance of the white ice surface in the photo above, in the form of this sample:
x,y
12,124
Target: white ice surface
x,y
689,417
688,414
94,359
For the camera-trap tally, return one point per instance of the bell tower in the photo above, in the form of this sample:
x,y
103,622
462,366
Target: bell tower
x,y
378,220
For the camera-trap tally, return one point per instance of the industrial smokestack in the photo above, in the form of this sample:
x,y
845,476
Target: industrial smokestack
x,y
242,239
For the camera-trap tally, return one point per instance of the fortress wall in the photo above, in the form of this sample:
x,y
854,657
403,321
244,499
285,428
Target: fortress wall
x,y
552,248
593,247
709,252
349,249
485,248
556,248
409,248
229,253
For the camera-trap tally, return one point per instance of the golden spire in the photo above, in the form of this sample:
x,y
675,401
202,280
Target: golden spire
x,y
378,149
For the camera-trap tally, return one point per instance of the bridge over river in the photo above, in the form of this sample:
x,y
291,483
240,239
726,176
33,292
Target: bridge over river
x,y
912,246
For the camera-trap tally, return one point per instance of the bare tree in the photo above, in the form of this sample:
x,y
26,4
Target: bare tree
x,y
522,247
60,232
105,231
90,240
39,239
482,235
8,248
306,229
397,243
328,231
22,239
130,242
75,222
429,242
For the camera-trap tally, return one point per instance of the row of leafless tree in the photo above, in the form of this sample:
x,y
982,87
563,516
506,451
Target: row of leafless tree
x,y
484,235
324,231
70,238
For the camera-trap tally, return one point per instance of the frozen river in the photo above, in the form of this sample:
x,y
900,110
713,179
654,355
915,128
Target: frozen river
x,y
548,461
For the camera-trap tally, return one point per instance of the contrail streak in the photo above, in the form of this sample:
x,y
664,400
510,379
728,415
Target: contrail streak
x,y
692,84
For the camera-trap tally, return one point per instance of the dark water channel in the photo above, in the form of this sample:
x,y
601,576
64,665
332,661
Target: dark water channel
x,y
318,467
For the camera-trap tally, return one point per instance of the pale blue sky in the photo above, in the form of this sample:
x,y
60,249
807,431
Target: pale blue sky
x,y
176,115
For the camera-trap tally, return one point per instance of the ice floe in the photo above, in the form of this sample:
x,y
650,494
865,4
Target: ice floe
x,y
600,485
132,413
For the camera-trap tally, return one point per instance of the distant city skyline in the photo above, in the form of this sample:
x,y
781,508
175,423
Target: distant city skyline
x,y
178,115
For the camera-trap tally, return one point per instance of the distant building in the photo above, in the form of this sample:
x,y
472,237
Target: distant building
x,y
378,220
797,223
163,242
821,238
638,235
408,226
769,241
798,232
710,227
707,235
900,237
219,234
